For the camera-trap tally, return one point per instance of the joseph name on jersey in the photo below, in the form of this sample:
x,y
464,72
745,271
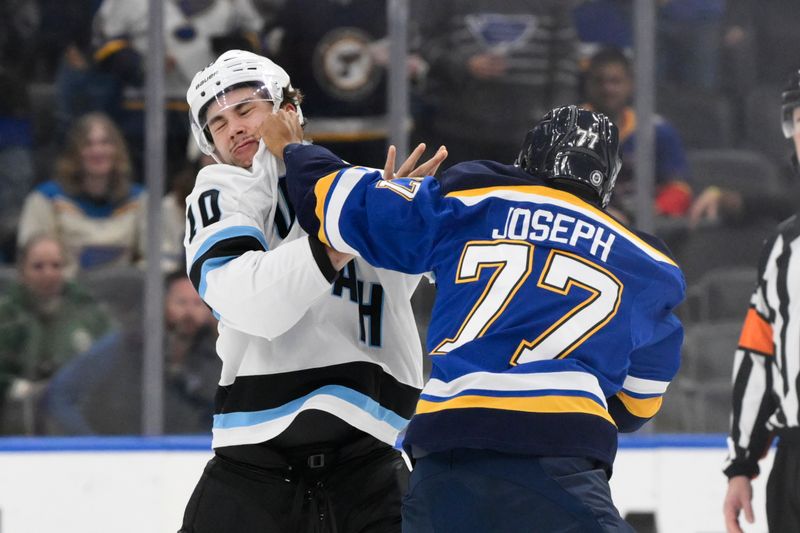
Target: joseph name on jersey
x,y
553,326
291,337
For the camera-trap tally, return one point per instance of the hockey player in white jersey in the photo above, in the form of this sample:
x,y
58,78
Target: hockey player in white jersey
x,y
322,365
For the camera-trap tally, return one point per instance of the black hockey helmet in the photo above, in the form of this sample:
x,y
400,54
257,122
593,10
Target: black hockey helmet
x,y
574,146
790,98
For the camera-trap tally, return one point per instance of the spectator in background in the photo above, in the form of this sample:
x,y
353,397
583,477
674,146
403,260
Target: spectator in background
x,y
16,159
194,33
603,23
770,29
92,205
338,52
494,69
100,391
717,204
765,372
609,90
65,45
173,207
688,34
19,37
44,322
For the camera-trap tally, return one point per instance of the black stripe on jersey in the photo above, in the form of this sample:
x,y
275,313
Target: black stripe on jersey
x,y
284,214
224,248
541,434
739,387
760,437
255,393
781,286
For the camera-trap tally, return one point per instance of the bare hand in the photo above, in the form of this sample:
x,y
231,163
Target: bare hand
x,y
338,259
280,129
739,497
487,66
407,169
712,203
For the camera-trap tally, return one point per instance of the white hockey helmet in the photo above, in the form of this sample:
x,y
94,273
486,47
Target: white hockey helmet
x,y
233,69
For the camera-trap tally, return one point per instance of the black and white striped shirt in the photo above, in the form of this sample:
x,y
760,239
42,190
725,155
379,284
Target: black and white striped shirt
x,y
766,376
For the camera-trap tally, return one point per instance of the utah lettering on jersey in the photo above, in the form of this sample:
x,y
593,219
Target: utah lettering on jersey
x,y
370,306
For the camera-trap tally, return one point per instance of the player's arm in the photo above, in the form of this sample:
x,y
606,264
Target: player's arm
x,y
652,367
655,359
390,223
753,401
250,287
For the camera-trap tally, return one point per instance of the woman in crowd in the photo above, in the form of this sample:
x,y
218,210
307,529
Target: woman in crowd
x,y
92,205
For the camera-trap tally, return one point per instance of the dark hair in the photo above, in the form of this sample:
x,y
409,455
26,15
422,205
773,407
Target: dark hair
x,y
610,55
172,277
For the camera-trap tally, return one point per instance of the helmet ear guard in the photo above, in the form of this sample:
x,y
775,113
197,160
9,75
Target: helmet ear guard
x,y
205,145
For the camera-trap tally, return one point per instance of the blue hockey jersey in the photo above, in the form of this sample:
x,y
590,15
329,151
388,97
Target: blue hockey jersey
x,y
553,326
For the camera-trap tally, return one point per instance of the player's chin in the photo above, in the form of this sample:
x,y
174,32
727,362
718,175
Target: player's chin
x,y
243,156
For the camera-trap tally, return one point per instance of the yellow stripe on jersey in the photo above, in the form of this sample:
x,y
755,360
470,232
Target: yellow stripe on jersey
x,y
535,404
321,190
641,407
757,334
571,199
110,48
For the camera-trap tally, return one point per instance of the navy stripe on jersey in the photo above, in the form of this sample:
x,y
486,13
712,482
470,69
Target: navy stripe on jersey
x,y
255,393
535,433
220,252
284,214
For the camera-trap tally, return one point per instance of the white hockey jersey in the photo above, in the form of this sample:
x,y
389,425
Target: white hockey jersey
x,y
289,338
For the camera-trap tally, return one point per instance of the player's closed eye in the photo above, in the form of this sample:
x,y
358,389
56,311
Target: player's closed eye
x,y
218,125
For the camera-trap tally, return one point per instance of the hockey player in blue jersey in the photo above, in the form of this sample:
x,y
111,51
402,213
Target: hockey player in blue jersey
x,y
553,326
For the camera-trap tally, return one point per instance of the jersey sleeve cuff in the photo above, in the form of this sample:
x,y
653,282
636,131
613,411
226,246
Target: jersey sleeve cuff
x,y
751,470
322,259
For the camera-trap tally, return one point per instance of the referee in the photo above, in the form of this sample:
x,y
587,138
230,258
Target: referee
x,y
766,377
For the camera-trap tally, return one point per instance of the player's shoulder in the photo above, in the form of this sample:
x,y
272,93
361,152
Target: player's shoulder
x,y
655,242
228,180
790,228
479,174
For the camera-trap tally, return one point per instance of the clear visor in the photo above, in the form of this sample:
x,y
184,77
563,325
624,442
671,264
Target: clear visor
x,y
239,98
787,120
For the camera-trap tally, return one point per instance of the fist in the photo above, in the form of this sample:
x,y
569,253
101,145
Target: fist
x,y
280,129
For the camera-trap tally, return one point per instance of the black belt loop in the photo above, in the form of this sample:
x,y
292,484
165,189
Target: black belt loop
x,y
316,460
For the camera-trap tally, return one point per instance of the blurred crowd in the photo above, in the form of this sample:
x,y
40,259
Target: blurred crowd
x,y
72,204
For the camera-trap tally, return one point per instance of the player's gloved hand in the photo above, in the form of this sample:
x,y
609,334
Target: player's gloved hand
x,y
408,169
